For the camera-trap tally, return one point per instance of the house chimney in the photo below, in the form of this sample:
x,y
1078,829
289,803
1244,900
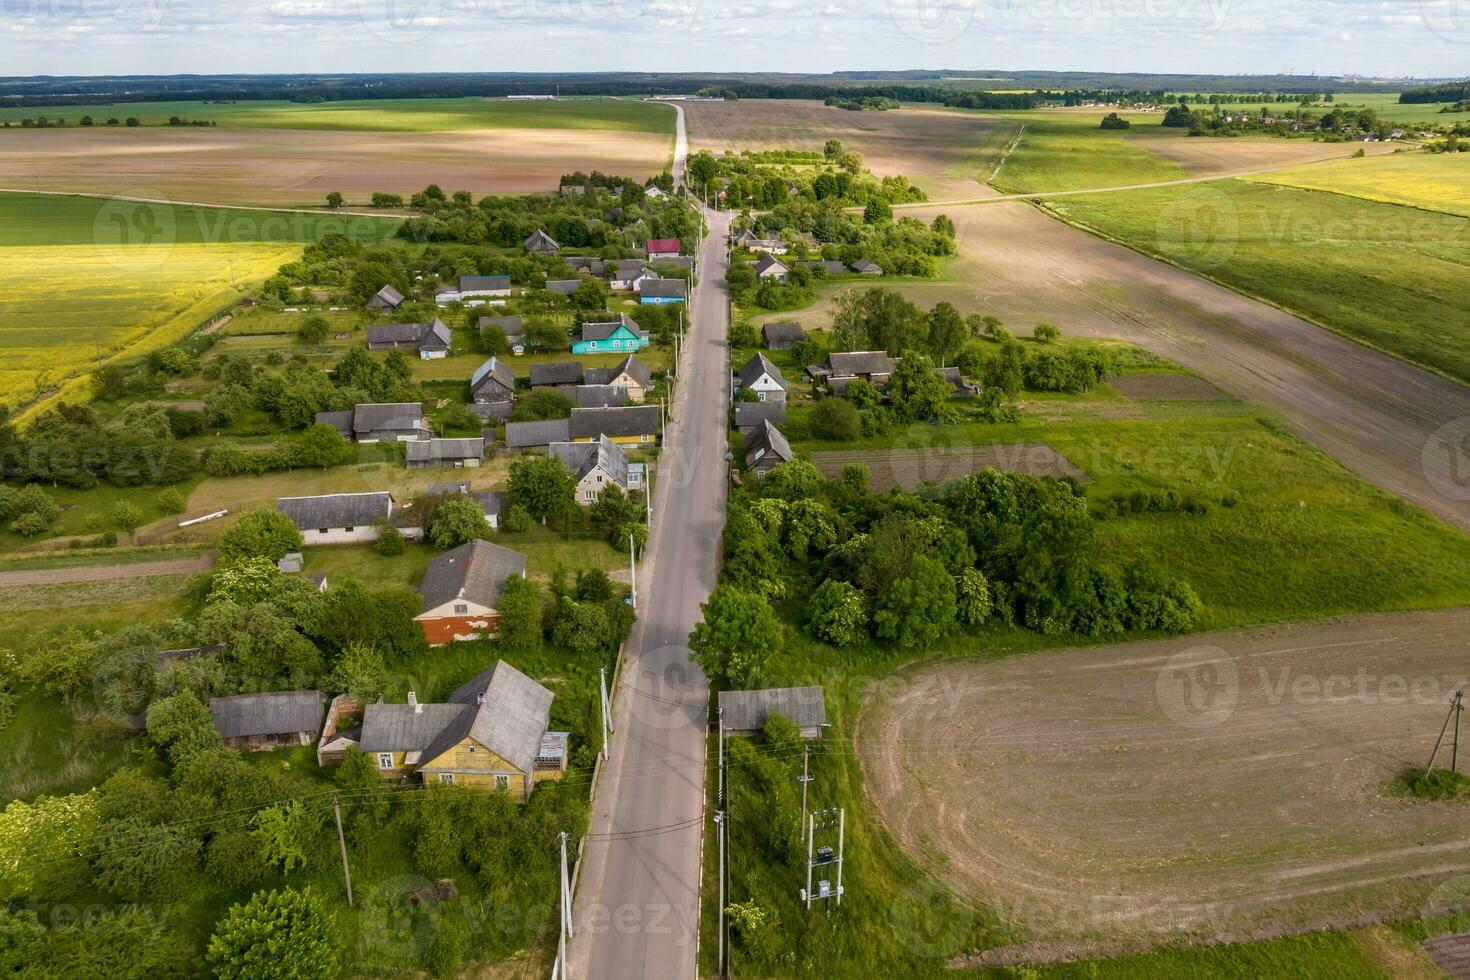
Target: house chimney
x,y
413,700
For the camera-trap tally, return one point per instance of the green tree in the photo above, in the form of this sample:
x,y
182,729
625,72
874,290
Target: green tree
x,y
181,725
1046,333
334,200
836,419
946,332
140,862
457,521
285,934
832,150
581,626
390,540
283,833
60,664
942,225
861,393
519,624
918,394
542,486
313,329
919,608
260,533
836,613
172,500
736,636
972,597
1006,370
127,515
877,211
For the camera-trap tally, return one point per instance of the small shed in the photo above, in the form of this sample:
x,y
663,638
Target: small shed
x,y
745,712
267,721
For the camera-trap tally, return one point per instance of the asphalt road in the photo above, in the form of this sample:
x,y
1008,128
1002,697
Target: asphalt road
x,y
637,907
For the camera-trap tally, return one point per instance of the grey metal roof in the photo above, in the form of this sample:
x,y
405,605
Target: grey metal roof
x,y
632,420
565,287
866,265
786,333
267,714
634,369
337,509
605,329
405,727
503,710
539,240
373,416
665,287
433,335
492,502
474,283
492,411
768,263
748,415
860,362
444,450
476,571
601,396
559,373
628,269
747,711
341,421
496,370
388,296
759,364
764,441
510,324
524,435
582,457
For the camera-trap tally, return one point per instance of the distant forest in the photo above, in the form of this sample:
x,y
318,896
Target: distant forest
x,y
964,89
1448,92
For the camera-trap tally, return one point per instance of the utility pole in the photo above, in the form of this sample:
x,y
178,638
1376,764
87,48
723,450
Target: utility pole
x,y
342,842
721,716
806,751
564,927
633,570
648,493
824,856
606,715
720,823
1456,706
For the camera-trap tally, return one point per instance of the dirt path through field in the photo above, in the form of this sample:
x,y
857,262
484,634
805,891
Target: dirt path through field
x,y
1213,785
107,573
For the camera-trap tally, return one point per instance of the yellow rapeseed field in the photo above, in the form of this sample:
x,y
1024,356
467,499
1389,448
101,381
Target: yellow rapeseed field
x,y
1433,181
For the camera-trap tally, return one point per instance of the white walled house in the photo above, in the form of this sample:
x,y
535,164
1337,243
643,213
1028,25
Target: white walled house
x,y
762,377
340,518
596,465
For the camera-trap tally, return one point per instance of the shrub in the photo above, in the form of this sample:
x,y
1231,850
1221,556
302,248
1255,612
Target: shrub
x,y
836,614
284,933
260,533
171,499
390,540
837,419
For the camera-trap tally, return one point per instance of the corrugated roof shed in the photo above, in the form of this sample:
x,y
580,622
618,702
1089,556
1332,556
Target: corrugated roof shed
x,y
527,435
275,713
444,450
665,288
860,362
582,457
748,415
631,420
558,373
747,711
337,509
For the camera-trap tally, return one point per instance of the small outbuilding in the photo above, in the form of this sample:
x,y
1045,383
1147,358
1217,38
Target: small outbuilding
x,y
746,712
267,721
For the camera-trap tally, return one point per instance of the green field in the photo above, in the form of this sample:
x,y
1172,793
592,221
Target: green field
x,y
87,279
1432,181
1386,105
385,115
1069,152
1390,276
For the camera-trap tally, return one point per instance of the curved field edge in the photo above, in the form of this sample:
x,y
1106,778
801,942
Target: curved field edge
x,y
1058,210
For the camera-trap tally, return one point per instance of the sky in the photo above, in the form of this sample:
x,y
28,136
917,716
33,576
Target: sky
x,y
1376,38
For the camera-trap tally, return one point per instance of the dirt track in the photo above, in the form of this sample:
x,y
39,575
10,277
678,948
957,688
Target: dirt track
x,y
1213,785
107,573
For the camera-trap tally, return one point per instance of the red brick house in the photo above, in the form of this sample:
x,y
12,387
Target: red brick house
x,y
461,590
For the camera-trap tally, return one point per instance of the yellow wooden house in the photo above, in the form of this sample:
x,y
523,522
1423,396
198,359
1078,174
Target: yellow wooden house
x,y
492,732
629,425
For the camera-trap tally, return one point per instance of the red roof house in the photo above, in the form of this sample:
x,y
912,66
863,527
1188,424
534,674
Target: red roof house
x,y
663,248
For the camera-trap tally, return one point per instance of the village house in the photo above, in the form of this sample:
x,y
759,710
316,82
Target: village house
x,y
540,243
600,396
562,287
765,448
629,373
867,267
773,269
386,299
492,502
780,336
470,287
748,239
461,588
872,366
597,464
749,415
586,265
379,422
266,721
630,426
653,291
493,381
611,335
537,434
762,377
662,248
746,712
491,733
628,274
511,326
341,518
431,340
559,374
457,453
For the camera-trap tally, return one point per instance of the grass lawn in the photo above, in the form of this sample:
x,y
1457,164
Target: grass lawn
x,y
1390,276
1059,152
1432,181
382,115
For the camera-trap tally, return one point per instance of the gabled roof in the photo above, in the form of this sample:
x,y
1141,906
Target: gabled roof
x,y
628,269
866,265
788,332
405,727
388,296
676,288
748,415
767,263
583,457
557,373
510,324
503,710
473,283
601,396
632,420
495,369
436,450
267,714
341,421
431,336
758,365
476,571
371,416
594,266
662,245
606,328
860,362
525,435
766,440
539,240
565,287
337,509
634,369
747,711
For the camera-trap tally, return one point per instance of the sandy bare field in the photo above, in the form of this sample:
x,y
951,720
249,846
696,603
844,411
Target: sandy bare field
x,y
942,150
292,167
1217,785
1204,156
912,468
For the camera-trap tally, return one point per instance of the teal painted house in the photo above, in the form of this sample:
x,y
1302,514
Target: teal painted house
x,y
613,336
